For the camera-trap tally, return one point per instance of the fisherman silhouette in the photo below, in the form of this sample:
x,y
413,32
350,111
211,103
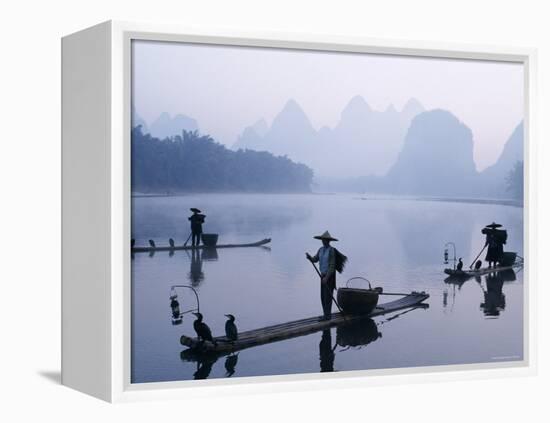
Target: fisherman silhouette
x,y
494,240
196,219
330,260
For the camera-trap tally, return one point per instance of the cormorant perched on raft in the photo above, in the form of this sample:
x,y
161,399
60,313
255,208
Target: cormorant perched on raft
x,y
152,243
203,331
478,265
231,331
459,265
171,242
133,242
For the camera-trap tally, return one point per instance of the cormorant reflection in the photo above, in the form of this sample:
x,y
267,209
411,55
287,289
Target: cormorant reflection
x,y
230,364
205,362
494,299
204,367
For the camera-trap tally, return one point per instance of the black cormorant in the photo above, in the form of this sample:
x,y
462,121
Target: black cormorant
x,y
171,242
231,328
459,265
133,243
152,243
203,331
478,265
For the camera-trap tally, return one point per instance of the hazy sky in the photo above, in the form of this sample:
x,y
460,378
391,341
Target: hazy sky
x,y
228,88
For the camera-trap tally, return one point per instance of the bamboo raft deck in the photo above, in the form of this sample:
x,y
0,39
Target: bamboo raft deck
x,y
296,328
199,247
466,274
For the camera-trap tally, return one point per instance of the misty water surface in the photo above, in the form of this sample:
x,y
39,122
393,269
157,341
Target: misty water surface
x,y
396,243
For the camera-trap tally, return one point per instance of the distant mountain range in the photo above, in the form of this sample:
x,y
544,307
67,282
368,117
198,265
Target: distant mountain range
x,y
437,157
410,152
437,160
165,125
493,179
364,141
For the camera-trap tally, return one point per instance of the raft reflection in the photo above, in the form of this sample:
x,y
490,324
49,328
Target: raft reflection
x,y
494,300
357,334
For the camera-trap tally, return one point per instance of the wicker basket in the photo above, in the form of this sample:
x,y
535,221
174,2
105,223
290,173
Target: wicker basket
x,y
209,240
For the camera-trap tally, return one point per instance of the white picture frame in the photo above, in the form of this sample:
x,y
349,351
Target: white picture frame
x,y
96,66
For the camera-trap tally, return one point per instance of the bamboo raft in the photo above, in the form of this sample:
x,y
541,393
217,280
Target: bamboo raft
x,y
466,274
199,247
296,328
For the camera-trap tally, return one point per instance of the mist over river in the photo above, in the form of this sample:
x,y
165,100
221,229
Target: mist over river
x,y
396,243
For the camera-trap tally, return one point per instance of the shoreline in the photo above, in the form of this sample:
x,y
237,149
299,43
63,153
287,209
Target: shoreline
x,y
364,197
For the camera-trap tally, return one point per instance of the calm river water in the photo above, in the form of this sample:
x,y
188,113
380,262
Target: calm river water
x,y
396,243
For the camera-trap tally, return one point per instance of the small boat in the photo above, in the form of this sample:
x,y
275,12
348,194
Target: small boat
x,y
510,261
294,328
358,301
199,247
465,274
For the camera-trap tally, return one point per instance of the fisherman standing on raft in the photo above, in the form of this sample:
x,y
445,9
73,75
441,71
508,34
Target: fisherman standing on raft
x,y
196,219
494,240
330,260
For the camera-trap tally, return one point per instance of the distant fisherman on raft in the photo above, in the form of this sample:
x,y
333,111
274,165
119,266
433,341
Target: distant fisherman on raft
x,y
196,219
494,240
330,260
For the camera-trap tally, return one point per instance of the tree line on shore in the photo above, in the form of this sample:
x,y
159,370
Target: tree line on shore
x,y
193,162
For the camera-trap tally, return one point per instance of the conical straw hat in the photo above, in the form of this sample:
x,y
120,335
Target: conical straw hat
x,y
325,235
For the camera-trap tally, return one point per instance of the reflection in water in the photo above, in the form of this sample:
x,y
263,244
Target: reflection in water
x,y
357,334
230,364
196,275
196,258
394,241
204,362
456,281
326,352
204,367
494,299
422,234
210,254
